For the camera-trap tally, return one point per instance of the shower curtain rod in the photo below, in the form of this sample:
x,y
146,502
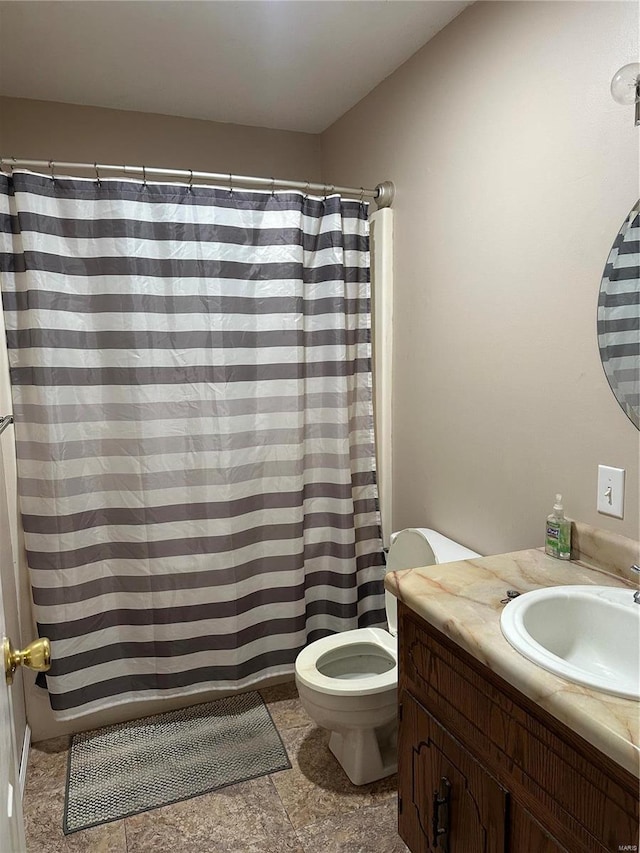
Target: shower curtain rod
x,y
383,193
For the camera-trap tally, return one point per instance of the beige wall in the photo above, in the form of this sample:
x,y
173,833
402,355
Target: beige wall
x,y
45,130
514,169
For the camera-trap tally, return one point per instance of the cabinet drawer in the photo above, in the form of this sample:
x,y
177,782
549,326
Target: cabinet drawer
x,y
562,780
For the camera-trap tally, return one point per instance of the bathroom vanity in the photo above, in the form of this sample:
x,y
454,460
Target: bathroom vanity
x,y
494,752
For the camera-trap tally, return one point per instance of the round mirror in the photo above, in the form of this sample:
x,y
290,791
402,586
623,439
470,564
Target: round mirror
x,y
619,316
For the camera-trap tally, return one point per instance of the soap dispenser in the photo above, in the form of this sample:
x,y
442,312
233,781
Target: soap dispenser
x,y
557,542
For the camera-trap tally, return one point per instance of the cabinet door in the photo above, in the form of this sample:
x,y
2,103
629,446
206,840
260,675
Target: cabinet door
x,y
448,802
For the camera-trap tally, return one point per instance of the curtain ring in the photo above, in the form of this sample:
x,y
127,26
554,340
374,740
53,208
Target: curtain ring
x,y
51,170
306,192
230,184
361,195
144,176
190,188
95,166
273,186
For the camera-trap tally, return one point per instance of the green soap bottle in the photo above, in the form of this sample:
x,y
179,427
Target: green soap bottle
x,y
557,541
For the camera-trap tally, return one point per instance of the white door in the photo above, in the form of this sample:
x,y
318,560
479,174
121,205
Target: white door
x,y
11,823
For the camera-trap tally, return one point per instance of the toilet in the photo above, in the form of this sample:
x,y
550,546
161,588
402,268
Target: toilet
x,y
348,682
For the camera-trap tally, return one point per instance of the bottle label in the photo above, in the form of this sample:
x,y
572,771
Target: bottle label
x,y
552,540
558,540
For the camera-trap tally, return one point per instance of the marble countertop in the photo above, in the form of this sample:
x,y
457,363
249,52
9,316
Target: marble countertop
x,y
462,600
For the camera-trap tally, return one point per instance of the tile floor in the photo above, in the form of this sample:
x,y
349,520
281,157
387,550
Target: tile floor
x,y
312,808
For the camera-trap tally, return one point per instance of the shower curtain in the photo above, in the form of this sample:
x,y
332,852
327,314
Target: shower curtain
x,y
191,377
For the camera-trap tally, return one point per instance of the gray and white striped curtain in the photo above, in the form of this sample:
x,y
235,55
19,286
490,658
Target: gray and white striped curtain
x,y
191,376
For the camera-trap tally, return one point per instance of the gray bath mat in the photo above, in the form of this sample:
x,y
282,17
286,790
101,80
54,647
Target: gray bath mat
x,y
132,767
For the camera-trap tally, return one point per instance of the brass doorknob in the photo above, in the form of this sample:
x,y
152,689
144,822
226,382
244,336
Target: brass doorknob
x,y
37,655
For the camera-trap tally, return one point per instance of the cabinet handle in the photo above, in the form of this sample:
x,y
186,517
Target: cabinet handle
x,y
440,815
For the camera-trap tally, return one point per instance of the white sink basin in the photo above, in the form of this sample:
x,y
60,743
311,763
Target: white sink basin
x,y
586,634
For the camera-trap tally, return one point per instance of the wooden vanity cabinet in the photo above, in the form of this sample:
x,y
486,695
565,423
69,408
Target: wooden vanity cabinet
x,y
482,769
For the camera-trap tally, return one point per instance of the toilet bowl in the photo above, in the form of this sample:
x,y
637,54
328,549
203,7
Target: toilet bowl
x,y
348,682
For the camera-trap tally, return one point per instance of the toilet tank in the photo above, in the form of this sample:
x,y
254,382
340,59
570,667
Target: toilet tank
x,y
414,547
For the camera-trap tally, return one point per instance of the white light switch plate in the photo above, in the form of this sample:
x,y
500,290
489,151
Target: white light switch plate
x,y
611,491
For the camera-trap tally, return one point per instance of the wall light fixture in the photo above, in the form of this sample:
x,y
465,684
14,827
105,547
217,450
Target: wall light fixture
x,y
625,86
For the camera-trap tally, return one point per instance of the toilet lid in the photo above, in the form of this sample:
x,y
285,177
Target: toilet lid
x,y
421,546
409,550
415,547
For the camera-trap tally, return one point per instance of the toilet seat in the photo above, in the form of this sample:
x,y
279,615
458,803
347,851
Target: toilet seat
x,y
376,641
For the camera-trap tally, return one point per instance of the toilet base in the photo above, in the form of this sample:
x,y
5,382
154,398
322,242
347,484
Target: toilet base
x,y
366,755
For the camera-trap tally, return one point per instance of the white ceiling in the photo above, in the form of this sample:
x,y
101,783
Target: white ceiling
x,y
288,64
